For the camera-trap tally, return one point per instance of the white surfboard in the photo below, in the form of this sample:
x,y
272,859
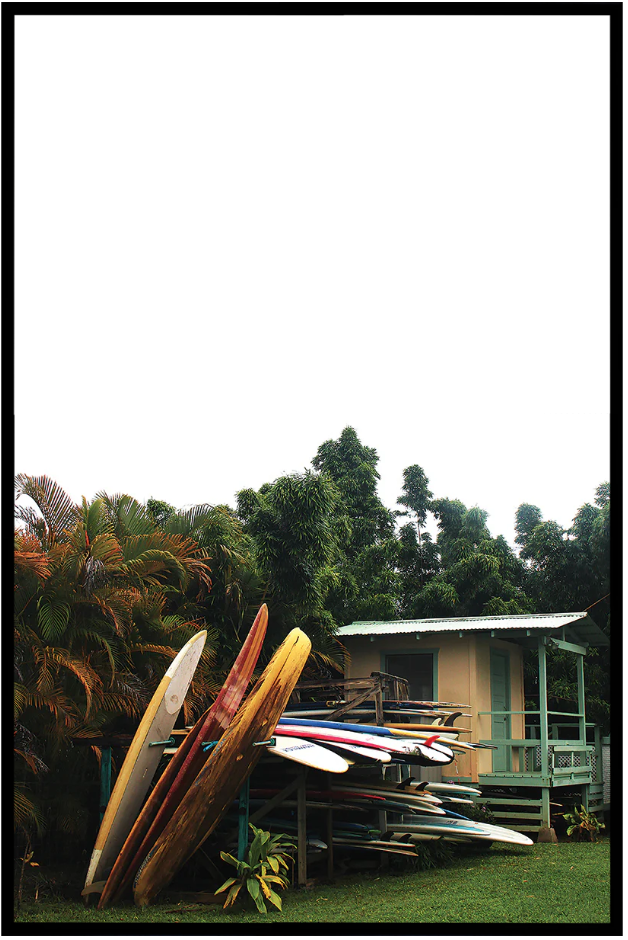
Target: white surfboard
x,y
450,788
309,754
469,828
141,761
393,792
383,757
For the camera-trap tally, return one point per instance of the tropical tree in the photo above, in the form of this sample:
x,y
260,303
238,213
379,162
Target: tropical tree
x,y
480,575
353,468
291,526
415,497
100,610
569,570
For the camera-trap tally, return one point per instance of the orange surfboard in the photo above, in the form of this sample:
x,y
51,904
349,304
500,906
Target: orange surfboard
x,y
185,765
229,765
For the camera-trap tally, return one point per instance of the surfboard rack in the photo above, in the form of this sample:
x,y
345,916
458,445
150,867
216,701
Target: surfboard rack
x,y
208,745
169,743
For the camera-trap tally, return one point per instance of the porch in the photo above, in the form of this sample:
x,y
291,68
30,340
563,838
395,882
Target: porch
x,y
538,757
561,759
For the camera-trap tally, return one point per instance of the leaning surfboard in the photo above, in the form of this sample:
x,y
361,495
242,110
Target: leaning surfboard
x,y
185,764
141,761
230,763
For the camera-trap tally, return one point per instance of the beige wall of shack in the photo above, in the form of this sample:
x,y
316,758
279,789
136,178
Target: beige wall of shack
x,y
463,675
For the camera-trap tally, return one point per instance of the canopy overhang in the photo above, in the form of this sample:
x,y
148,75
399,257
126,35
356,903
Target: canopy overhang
x,y
577,627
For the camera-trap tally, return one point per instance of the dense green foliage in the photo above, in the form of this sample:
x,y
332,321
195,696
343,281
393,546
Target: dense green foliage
x,y
108,590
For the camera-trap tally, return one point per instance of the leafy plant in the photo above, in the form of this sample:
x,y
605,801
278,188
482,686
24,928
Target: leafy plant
x,y
479,813
582,821
267,858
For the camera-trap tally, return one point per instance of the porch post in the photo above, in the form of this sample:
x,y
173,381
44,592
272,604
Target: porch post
x,y
582,725
543,717
544,732
581,705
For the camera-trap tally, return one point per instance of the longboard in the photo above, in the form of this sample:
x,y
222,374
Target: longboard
x,y
393,789
459,827
229,765
141,761
449,788
396,848
369,754
308,754
387,731
428,729
185,764
398,747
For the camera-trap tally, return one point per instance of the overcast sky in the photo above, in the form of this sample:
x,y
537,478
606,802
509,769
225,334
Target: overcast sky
x,y
237,235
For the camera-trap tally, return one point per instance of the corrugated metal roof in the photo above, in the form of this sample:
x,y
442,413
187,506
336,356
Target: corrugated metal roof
x,y
580,624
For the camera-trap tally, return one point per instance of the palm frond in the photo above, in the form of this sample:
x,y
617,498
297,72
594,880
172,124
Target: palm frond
x,y
26,813
81,669
53,616
58,510
35,563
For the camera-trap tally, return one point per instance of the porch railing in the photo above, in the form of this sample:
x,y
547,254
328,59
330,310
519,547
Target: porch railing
x,y
559,757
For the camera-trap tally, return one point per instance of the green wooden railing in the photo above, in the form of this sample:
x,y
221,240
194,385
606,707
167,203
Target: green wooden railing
x,y
548,766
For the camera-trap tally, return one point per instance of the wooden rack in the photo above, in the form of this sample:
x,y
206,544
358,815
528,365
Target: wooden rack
x,y
378,686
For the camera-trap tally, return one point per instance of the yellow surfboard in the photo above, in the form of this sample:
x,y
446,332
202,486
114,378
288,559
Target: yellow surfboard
x,y
229,765
141,762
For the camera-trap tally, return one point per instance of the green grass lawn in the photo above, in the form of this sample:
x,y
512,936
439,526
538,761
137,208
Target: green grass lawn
x,y
565,883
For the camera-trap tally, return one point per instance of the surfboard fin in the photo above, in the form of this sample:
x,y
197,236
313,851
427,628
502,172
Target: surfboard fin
x,y
96,887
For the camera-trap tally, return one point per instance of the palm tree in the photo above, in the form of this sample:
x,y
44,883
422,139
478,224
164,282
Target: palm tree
x,y
103,601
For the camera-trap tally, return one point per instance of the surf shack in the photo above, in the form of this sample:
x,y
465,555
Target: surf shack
x,y
538,756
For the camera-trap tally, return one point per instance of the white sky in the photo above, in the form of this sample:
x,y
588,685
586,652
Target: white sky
x,y
237,235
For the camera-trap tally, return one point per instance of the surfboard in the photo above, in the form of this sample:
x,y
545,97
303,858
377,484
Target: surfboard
x,y
394,794
383,732
399,747
229,765
390,848
186,762
336,726
410,804
439,825
428,729
308,754
417,837
458,826
368,754
450,788
141,761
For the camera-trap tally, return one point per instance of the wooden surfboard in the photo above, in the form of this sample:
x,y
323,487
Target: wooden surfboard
x,y
185,764
229,765
141,760
308,754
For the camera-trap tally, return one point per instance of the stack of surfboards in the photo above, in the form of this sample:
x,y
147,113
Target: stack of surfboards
x,y
146,848
424,812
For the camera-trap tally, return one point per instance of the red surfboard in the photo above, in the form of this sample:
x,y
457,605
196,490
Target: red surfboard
x,y
185,765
